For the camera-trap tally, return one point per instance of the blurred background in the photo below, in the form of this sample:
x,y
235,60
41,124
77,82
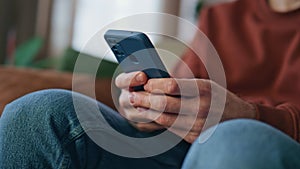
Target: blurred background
x,y
40,41
50,33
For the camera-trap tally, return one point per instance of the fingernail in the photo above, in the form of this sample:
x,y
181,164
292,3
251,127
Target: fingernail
x,y
131,98
139,77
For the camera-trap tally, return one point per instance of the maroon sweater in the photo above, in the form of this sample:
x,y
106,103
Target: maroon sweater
x,y
260,52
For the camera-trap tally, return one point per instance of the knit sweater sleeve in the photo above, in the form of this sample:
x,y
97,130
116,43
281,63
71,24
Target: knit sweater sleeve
x,y
283,115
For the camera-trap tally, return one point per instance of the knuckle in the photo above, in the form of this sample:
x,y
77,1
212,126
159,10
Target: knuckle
x,y
190,138
145,100
128,115
122,102
122,99
208,85
158,103
124,113
139,100
120,80
149,84
141,127
198,125
163,119
194,105
161,105
204,105
172,86
124,80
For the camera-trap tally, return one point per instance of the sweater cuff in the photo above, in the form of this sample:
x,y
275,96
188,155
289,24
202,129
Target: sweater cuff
x,y
278,118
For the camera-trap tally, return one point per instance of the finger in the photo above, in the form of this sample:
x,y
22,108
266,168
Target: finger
x,y
124,99
170,104
132,79
139,115
132,114
159,103
147,127
189,137
168,120
182,87
181,122
172,121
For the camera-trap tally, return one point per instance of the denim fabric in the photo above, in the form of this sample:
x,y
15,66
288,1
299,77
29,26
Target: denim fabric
x,y
244,144
41,130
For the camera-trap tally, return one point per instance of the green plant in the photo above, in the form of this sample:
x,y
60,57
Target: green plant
x,y
198,8
26,53
26,56
68,60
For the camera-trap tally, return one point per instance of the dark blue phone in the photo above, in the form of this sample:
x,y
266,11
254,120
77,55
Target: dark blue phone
x,y
135,52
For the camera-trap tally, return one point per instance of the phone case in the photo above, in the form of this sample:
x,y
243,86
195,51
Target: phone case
x,y
135,52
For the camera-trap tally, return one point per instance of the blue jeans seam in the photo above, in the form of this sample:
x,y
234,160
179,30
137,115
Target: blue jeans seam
x,y
65,162
73,135
76,133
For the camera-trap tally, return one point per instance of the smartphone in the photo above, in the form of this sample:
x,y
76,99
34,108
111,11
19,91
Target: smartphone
x,y
135,52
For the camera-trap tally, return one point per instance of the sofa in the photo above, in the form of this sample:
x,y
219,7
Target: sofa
x,y
17,82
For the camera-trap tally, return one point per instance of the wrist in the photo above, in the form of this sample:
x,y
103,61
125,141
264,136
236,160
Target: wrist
x,y
251,112
241,109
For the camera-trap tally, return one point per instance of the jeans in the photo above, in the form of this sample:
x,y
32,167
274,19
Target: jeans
x,y
244,144
41,130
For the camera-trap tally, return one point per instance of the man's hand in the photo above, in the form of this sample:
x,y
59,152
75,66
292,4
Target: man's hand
x,y
126,82
164,98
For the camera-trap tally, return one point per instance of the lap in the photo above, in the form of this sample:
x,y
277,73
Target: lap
x,y
51,117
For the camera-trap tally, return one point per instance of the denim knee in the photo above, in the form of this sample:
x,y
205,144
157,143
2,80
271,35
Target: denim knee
x,y
36,128
243,144
40,111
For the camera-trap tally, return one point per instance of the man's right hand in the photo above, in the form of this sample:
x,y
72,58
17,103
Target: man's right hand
x,y
126,82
